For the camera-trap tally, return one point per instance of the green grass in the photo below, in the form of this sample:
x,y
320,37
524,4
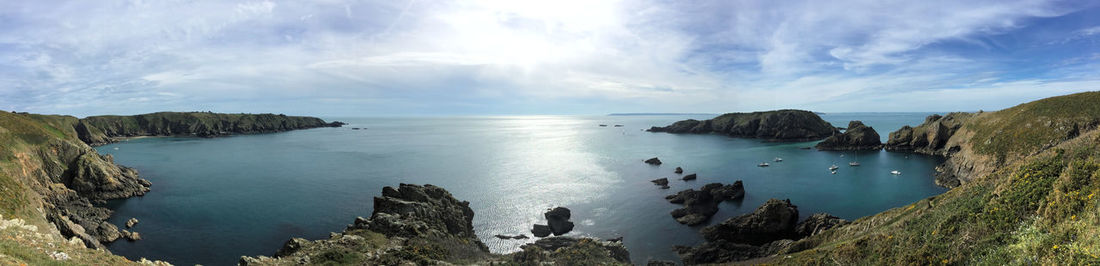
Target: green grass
x,y
1028,128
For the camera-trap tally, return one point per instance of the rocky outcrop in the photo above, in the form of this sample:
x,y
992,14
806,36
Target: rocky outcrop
x,y
928,138
662,182
98,130
98,178
780,125
857,137
770,229
818,222
130,223
425,225
679,170
689,177
558,220
700,205
653,161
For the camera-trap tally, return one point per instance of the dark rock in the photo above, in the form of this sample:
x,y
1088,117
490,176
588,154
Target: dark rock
x,y
553,246
928,138
662,182
653,161
541,230
520,236
412,210
718,251
689,177
700,205
335,124
679,170
558,220
818,222
660,263
779,125
774,220
857,137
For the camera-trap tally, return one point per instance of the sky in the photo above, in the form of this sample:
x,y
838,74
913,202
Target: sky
x,y
506,57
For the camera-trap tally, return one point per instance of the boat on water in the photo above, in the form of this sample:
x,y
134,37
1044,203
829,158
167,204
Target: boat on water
x,y
834,172
895,172
833,168
777,159
853,164
763,165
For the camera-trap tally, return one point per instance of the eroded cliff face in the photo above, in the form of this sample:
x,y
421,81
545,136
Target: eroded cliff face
x,y
856,137
425,225
98,130
779,125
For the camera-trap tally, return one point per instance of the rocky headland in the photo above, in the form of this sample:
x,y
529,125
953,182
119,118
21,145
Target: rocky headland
x,y
98,130
700,205
779,125
426,225
856,137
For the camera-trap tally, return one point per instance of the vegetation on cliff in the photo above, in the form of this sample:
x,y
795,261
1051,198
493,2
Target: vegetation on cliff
x,y
1031,194
101,129
779,125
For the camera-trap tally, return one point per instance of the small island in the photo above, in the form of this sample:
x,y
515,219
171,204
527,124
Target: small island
x,y
778,125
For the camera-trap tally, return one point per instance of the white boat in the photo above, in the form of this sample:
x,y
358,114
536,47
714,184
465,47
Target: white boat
x,y
853,164
833,168
895,172
834,172
777,159
763,165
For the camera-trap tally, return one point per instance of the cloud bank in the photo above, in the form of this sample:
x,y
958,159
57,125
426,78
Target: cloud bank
x,y
336,57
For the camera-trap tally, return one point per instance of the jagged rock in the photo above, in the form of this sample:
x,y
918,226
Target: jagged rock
x,y
857,137
927,138
97,178
700,205
653,161
818,222
663,182
774,220
689,177
679,170
717,251
540,230
412,210
558,220
520,236
131,236
130,223
779,125
660,263
291,246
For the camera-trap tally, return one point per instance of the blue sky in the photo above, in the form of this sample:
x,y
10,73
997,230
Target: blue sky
x,y
364,58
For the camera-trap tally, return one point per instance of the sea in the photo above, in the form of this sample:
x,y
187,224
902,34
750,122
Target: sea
x,y
214,200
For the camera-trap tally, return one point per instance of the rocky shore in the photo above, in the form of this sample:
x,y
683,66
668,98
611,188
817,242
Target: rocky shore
x,y
99,130
426,225
779,125
856,137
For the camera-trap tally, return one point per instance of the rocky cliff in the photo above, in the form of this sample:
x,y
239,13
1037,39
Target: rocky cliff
x,y
97,130
857,137
779,125
425,225
1028,180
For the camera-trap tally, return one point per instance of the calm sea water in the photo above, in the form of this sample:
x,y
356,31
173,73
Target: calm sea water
x,y
214,200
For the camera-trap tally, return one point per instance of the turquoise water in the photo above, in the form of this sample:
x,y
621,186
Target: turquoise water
x,y
214,200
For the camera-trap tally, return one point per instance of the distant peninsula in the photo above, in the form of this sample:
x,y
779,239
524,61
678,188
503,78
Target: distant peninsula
x,y
778,125
645,114
98,130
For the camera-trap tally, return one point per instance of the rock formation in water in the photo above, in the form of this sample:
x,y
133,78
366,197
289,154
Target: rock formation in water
x,y
857,137
679,170
98,130
689,177
780,125
653,161
425,225
700,205
768,230
662,182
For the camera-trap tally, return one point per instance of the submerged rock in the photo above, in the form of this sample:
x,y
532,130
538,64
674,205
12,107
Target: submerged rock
x,y
653,161
679,170
689,177
857,137
519,236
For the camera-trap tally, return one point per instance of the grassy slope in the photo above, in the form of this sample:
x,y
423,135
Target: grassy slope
x,y
1040,206
22,136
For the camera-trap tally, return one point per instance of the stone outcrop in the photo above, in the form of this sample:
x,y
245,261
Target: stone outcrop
x,y
558,220
700,205
768,230
857,137
425,225
689,177
780,125
679,170
98,130
662,182
934,137
653,161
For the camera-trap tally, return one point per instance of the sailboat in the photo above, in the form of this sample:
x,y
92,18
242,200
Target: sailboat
x,y
833,168
855,162
778,159
895,172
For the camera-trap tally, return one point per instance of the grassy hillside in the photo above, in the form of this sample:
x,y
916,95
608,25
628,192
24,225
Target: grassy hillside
x,y
1039,205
